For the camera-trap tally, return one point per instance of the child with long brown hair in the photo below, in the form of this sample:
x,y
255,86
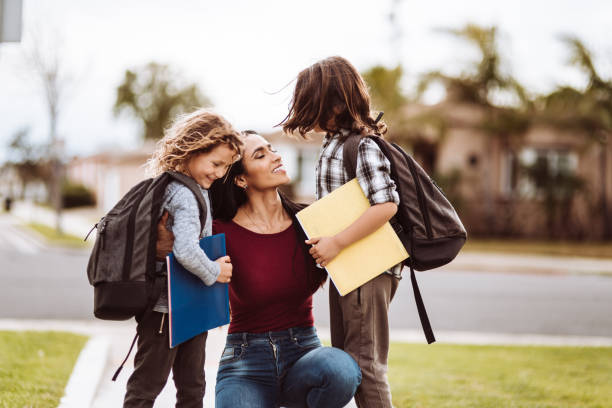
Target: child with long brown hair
x,y
331,96
201,145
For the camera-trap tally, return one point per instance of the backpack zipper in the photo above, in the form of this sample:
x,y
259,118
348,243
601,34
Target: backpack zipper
x,y
161,325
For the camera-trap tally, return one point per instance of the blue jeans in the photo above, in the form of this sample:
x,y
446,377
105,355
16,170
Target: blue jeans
x,y
287,368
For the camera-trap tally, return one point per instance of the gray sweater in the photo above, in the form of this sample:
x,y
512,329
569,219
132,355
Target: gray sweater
x,y
184,222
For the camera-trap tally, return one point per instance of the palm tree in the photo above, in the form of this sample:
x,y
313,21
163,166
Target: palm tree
x,y
481,86
386,93
587,111
484,78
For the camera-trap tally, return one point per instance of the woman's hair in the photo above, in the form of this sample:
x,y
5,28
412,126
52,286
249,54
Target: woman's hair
x,y
198,132
226,198
332,95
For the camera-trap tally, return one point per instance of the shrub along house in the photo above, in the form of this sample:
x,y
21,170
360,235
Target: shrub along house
x,y
110,174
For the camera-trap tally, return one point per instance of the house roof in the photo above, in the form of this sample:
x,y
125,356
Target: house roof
x,y
139,155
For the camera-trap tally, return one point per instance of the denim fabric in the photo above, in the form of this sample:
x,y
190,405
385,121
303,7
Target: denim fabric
x,y
288,368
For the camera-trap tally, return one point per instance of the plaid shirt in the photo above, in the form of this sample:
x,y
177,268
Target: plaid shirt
x,y
373,174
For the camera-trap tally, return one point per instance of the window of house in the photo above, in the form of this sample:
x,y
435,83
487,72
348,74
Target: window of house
x,y
514,175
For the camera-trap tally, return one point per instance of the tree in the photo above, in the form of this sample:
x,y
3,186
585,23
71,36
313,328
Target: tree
x,y
154,96
484,78
556,189
483,84
386,93
587,111
46,59
27,159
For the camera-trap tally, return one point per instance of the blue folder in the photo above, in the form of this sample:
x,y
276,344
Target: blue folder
x,y
194,307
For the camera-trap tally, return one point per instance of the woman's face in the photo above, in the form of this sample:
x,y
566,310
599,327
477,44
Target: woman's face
x,y
263,167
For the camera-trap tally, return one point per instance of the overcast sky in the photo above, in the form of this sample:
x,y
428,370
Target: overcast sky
x,y
243,54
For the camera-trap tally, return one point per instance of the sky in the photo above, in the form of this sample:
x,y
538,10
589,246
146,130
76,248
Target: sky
x,y
244,55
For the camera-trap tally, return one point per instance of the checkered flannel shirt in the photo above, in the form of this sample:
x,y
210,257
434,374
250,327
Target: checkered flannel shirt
x,y
373,174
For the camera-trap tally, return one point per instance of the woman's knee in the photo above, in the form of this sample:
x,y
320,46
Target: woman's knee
x,y
338,366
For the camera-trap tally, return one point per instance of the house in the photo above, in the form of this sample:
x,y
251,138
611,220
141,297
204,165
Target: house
x,y
110,174
482,173
485,172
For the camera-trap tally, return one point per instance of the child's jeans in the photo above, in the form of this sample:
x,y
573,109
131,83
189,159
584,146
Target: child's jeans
x,y
155,359
286,368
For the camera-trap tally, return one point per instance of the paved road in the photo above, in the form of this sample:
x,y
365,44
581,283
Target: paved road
x,y
503,303
39,282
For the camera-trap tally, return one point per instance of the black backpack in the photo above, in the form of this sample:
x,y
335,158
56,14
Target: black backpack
x,y
426,222
121,266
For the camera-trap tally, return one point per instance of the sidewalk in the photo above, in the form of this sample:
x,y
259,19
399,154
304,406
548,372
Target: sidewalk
x,y
112,341
75,222
528,264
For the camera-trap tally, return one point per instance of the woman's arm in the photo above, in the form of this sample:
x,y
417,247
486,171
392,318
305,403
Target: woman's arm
x,y
327,248
165,238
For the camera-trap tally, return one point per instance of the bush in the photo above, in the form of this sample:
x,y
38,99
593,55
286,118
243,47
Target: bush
x,y
76,195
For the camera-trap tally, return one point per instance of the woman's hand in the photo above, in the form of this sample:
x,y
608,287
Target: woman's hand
x,y
324,249
226,269
165,238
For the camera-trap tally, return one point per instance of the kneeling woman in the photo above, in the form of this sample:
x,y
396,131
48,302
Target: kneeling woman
x,y
273,356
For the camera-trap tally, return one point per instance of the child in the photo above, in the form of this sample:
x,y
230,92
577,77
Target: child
x,y
331,96
202,145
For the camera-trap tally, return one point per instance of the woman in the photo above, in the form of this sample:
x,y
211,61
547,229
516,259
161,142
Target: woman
x,y
273,356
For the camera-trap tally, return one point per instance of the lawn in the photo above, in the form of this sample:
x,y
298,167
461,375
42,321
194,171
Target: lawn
x,y
553,248
52,236
35,367
440,376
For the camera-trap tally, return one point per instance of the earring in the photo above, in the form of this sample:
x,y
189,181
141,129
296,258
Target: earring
x,y
245,187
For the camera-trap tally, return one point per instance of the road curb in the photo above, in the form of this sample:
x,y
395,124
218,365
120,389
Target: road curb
x,y
491,339
85,378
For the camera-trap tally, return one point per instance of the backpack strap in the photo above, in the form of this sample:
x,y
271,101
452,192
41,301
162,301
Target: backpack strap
x,y
350,149
125,359
195,189
349,155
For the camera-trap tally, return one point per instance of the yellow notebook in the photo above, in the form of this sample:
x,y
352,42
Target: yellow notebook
x,y
366,258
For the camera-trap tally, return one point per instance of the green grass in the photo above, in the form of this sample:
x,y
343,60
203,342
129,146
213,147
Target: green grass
x,y
554,248
35,367
441,376
52,236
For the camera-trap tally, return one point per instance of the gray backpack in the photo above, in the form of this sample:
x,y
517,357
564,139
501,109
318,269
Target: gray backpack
x,y
121,266
426,222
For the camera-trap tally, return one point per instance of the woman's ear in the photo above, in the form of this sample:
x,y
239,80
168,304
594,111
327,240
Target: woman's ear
x,y
240,181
